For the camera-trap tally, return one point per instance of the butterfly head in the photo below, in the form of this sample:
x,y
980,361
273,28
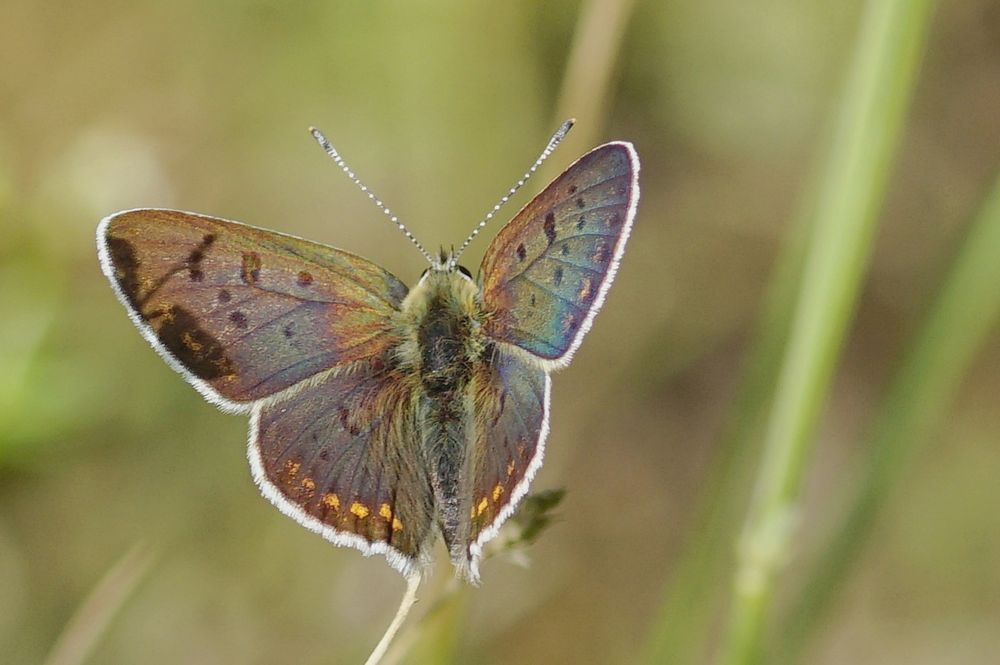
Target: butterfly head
x,y
446,264
446,271
445,280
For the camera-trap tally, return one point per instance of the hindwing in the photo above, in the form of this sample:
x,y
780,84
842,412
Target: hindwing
x,y
339,456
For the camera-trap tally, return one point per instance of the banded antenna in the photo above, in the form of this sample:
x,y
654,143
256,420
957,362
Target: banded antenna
x,y
330,150
549,148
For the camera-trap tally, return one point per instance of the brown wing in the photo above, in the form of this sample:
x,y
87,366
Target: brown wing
x,y
511,397
241,312
341,458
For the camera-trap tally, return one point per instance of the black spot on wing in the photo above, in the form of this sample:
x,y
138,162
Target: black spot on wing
x,y
239,318
250,268
198,350
195,273
522,253
126,268
550,228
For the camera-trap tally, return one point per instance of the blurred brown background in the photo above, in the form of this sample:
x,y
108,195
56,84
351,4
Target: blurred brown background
x,y
204,106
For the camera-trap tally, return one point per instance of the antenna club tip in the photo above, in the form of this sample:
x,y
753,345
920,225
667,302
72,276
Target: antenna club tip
x,y
562,131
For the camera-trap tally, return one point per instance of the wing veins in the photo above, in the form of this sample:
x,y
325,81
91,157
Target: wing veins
x,y
335,270
305,360
544,341
569,302
561,241
575,265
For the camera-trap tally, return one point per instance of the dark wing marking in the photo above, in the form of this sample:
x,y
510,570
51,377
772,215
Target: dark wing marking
x,y
241,312
546,273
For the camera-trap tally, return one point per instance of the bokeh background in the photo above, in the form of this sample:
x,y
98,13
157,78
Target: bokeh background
x,y
126,501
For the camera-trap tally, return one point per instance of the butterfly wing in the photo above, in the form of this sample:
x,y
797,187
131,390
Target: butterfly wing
x,y
339,457
511,397
546,273
241,312
543,279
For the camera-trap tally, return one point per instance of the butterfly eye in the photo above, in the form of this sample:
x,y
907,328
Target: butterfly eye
x,y
465,271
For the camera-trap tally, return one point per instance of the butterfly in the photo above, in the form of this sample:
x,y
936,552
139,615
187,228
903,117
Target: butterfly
x,y
383,417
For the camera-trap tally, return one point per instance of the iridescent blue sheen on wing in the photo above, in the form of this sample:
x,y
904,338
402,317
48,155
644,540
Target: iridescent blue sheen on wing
x,y
545,274
340,457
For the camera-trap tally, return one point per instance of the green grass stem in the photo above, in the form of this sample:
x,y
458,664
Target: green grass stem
x,y
966,308
878,89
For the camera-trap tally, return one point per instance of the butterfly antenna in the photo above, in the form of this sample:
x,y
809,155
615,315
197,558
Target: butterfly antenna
x,y
330,150
553,142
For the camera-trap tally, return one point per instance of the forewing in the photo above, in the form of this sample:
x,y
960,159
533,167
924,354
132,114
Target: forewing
x,y
511,423
242,312
341,457
546,273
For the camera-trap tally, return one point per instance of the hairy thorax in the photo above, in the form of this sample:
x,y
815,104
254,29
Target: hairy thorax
x,y
441,332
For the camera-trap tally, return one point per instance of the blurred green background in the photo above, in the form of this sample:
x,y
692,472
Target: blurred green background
x,y
440,107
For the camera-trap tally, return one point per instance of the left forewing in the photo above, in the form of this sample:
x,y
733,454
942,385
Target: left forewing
x,y
241,312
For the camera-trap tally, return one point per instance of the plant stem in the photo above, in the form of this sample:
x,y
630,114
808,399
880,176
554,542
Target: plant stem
x,y
409,597
878,90
588,82
966,308
92,618
692,594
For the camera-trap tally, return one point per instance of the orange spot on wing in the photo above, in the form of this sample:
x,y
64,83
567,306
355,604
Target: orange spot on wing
x,y
510,468
292,468
250,270
482,506
497,491
332,501
396,524
190,342
585,289
359,509
385,510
